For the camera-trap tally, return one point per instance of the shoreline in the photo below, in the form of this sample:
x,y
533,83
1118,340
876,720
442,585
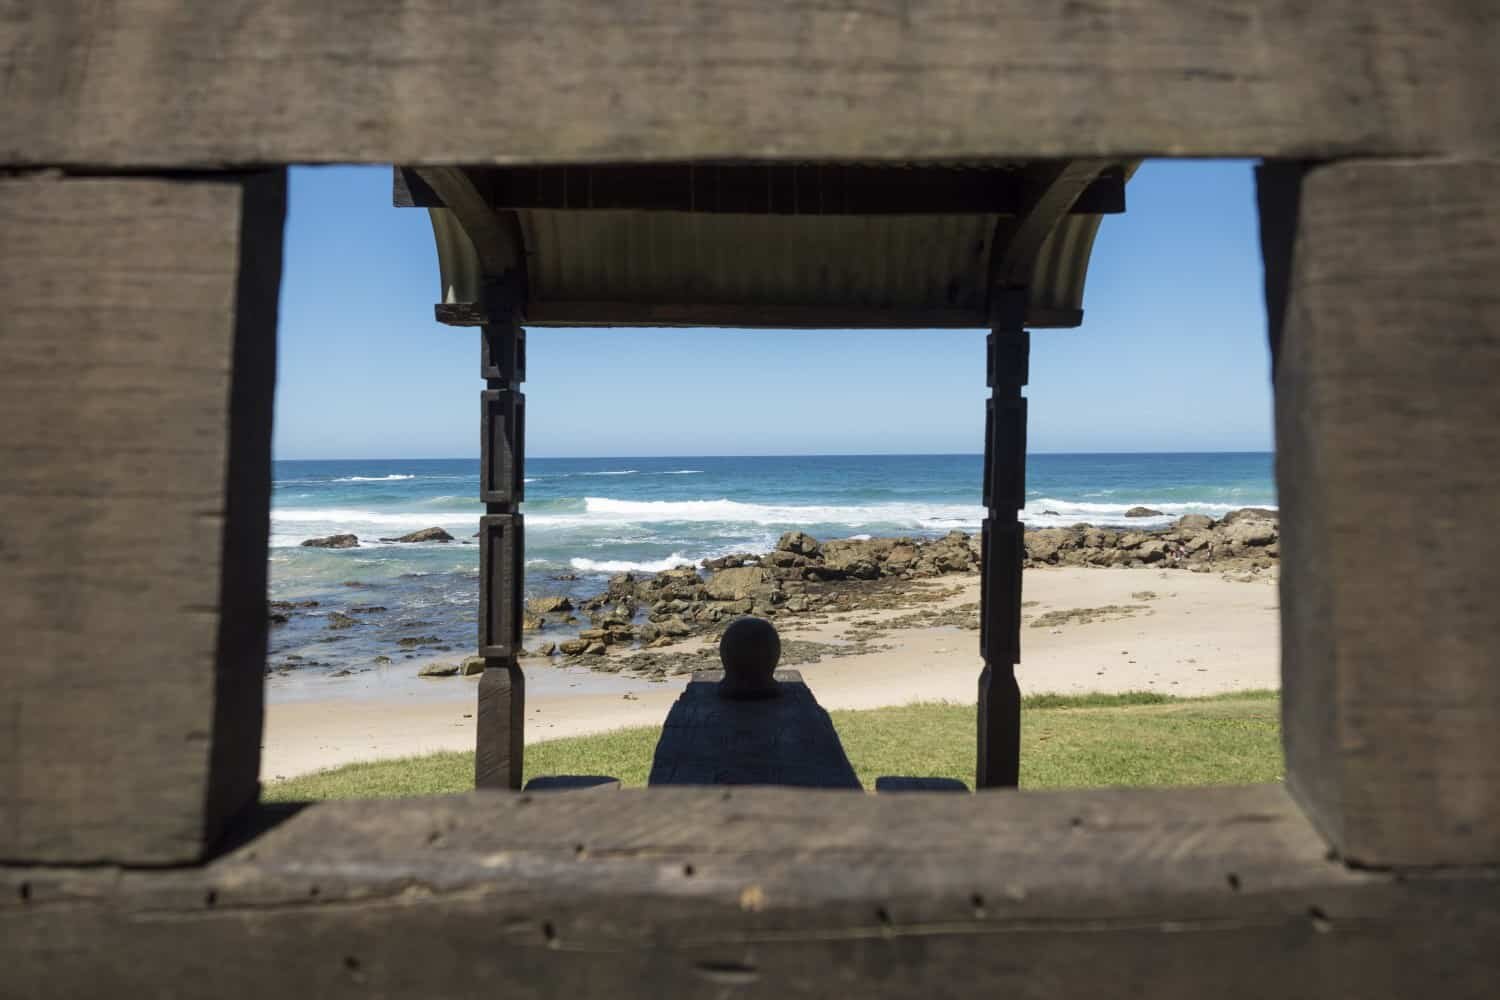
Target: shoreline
x,y
1083,631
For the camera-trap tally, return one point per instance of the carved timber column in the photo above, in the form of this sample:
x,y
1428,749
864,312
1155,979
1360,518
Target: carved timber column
x,y
1385,330
1008,349
502,687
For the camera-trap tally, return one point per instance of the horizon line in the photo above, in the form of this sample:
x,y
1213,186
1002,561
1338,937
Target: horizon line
x,y
827,454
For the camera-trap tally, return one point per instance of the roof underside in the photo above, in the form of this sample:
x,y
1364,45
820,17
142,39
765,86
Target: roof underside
x,y
783,246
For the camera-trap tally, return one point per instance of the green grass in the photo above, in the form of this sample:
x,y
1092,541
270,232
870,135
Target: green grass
x,y
1088,741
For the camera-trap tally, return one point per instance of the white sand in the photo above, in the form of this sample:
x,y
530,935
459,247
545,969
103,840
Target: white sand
x,y
1200,634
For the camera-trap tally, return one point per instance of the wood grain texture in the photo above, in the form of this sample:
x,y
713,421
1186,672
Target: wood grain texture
x,y
763,893
500,729
1389,469
163,83
138,335
786,740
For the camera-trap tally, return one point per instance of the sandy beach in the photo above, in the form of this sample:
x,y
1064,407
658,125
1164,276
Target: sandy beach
x,y
1085,629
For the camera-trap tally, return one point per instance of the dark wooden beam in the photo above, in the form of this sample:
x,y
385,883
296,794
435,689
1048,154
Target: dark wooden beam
x,y
722,314
765,893
766,189
135,439
558,81
1387,369
496,235
1051,191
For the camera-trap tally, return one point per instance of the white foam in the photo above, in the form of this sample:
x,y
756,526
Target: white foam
x,y
602,510
681,472
1049,512
612,472
293,525
672,561
393,477
338,515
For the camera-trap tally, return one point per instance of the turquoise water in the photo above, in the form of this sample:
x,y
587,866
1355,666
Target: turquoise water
x,y
588,518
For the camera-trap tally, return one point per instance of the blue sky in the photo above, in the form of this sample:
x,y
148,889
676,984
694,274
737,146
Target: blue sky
x,y
1171,357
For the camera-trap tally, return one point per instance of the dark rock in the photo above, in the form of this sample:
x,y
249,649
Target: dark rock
x,y
798,542
438,670
738,584
332,542
368,609
382,659
1044,545
277,618
549,604
1249,514
573,647
472,665
412,642
425,535
531,622
337,619
1194,522
1142,512
1250,532
674,626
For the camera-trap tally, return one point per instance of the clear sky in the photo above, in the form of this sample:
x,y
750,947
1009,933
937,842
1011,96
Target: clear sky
x,y
1172,355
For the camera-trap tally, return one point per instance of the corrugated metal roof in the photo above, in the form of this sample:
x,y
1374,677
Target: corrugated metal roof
x,y
631,267
861,261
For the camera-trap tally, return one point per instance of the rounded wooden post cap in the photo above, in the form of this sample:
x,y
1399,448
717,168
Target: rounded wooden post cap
x,y
749,651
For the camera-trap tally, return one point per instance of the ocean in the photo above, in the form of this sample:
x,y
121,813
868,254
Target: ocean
x,y
588,518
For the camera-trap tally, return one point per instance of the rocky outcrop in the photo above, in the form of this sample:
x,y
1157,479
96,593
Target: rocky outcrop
x,y
439,670
739,584
798,542
1142,512
803,575
1242,539
1250,514
549,604
425,535
332,542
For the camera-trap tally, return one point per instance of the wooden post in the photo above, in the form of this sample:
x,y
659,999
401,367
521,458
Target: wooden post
x,y
502,688
139,326
1001,551
1381,289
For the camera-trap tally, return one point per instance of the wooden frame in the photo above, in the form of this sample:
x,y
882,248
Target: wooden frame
x,y
146,288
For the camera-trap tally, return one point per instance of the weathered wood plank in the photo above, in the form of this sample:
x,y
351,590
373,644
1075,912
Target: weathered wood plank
x,y
760,892
1389,468
162,83
500,725
138,326
786,740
